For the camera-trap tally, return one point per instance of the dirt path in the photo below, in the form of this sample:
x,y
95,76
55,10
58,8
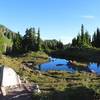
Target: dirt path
x,y
22,93
18,96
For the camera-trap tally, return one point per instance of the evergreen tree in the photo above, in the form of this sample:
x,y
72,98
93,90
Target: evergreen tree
x,y
30,40
59,45
82,34
53,44
96,39
83,39
38,40
79,42
17,43
74,42
87,38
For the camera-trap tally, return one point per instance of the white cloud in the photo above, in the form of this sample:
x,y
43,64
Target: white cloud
x,y
88,17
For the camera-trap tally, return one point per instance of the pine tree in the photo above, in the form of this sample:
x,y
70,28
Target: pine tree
x,y
83,39
74,42
82,34
79,42
96,38
87,38
38,40
59,45
30,40
17,43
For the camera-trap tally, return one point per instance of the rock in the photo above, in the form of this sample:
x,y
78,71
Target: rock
x,y
36,89
38,72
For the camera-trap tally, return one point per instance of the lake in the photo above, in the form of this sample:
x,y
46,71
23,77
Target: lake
x,y
63,65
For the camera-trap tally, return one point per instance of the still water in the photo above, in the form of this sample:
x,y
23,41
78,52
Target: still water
x,y
63,65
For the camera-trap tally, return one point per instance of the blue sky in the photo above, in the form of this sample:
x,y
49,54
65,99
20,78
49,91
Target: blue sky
x,y
59,19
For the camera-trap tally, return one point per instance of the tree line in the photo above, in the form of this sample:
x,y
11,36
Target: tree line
x,y
83,39
32,41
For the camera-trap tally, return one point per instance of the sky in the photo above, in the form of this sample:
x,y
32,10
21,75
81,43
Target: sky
x,y
57,19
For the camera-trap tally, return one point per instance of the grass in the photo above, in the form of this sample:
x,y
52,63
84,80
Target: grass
x,y
62,85
16,61
78,54
54,84
78,64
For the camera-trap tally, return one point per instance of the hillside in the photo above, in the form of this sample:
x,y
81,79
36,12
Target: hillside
x,y
6,32
5,44
6,36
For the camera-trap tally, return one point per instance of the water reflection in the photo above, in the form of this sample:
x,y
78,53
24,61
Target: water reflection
x,y
56,64
64,65
95,67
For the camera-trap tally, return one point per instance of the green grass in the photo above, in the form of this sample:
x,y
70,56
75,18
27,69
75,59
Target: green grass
x,y
66,86
79,54
54,84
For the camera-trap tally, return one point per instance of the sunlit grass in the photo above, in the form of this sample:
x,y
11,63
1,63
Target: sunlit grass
x,y
52,80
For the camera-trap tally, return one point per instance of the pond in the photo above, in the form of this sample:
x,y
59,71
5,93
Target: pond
x,y
63,65
94,67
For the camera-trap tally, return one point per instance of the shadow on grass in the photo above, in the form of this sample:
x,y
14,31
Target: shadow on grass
x,y
77,93
17,95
